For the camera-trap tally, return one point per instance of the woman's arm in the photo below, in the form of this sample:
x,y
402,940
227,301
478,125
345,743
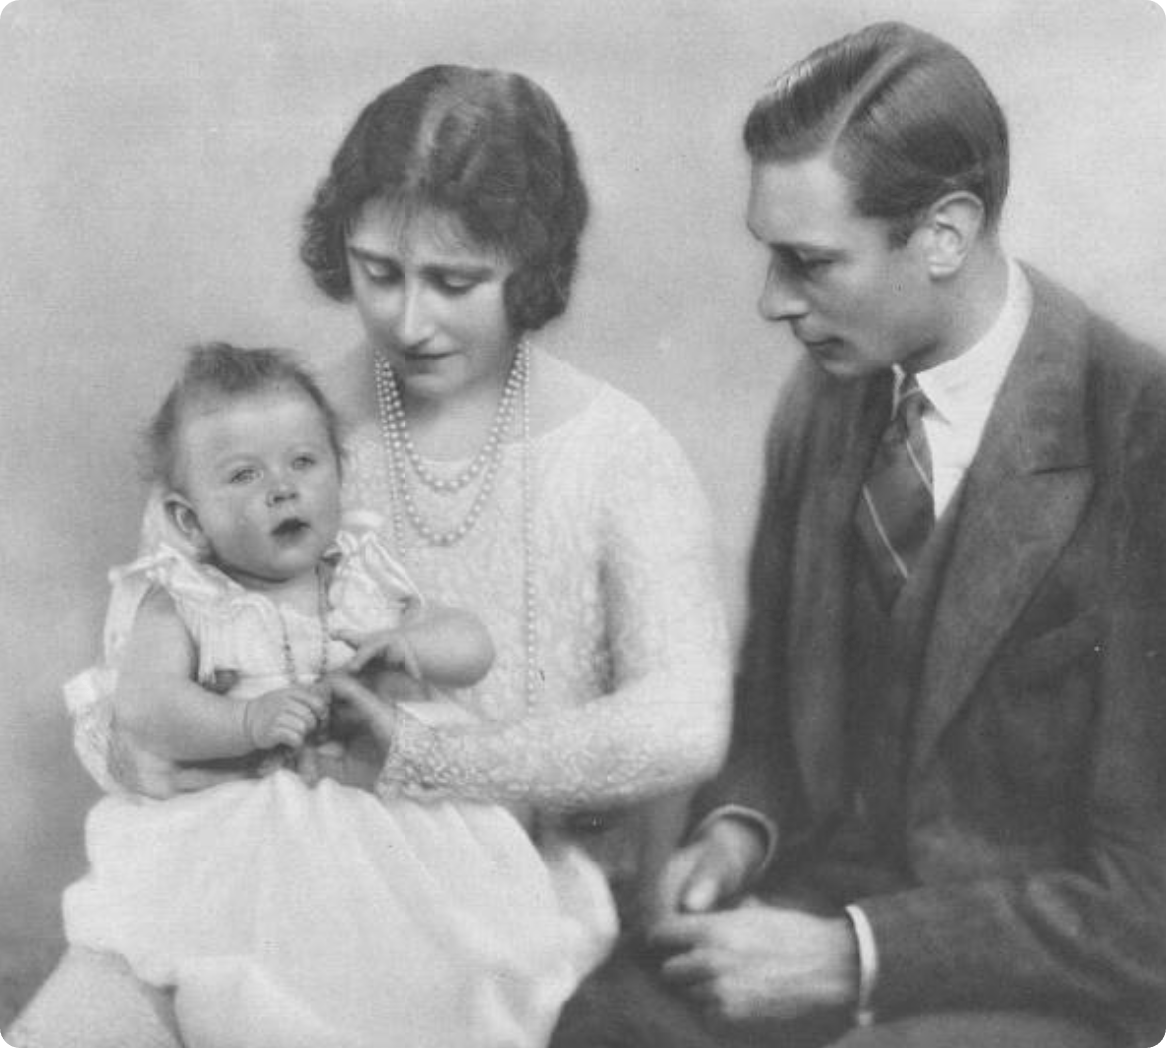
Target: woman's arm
x,y
664,724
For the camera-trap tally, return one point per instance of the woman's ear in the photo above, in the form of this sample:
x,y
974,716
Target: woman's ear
x,y
953,226
181,514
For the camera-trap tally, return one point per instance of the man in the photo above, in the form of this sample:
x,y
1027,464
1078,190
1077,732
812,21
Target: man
x,y
943,818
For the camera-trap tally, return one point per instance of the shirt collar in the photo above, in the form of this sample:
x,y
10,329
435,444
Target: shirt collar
x,y
964,388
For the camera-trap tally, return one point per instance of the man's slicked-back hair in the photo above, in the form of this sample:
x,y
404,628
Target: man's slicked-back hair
x,y
485,147
903,115
217,372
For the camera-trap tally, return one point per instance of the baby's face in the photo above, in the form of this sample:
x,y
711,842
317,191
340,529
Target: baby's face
x,y
261,476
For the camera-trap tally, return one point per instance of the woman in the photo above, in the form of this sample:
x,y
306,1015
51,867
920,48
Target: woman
x,y
512,484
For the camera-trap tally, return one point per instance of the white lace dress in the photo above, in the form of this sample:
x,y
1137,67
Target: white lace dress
x,y
285,914
632,661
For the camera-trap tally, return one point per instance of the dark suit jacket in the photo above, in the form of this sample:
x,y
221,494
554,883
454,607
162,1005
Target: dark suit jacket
x,y
1032,832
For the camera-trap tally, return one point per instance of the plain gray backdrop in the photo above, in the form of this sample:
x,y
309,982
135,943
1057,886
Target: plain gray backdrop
x,y
156,156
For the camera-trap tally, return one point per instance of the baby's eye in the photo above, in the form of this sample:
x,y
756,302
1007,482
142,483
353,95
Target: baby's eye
x,y
244,475
303,461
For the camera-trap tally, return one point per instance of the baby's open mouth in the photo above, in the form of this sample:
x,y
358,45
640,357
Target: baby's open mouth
x,y
290,528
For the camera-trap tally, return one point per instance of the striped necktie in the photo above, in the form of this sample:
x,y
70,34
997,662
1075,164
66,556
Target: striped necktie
x,y
897,510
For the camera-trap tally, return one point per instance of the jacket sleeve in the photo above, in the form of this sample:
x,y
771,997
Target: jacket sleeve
x,y
760,773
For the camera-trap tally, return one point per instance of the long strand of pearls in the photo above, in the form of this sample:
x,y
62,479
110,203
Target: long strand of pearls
x,y
532,677
401,455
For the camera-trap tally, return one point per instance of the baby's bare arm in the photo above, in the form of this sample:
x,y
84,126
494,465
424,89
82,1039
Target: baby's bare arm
x,y
447,647
162,708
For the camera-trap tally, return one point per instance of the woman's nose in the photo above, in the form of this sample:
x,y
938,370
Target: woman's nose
x,y
414,323
779,299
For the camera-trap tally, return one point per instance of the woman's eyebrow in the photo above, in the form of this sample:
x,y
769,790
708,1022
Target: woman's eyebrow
x,y
368,256
468,271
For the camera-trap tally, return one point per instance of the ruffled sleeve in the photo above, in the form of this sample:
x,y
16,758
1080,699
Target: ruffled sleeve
x,y
89,695
664,721
370,589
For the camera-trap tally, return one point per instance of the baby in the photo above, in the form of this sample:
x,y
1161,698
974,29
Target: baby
x,y
285,912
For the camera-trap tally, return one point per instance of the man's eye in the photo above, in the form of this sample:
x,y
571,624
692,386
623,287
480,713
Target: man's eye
x,y
803,266
809,266
454,285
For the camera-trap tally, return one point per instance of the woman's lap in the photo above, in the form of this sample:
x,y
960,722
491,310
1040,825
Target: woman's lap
x,y
93,1000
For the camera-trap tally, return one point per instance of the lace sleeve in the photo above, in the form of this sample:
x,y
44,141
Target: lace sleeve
x,y
664,723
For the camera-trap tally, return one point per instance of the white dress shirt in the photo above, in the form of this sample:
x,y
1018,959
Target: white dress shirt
x,y
960,392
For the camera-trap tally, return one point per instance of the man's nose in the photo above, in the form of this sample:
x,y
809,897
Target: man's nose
x,y
414,323
780,299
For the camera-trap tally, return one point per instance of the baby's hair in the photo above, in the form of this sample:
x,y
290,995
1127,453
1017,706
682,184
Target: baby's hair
x,y
218,371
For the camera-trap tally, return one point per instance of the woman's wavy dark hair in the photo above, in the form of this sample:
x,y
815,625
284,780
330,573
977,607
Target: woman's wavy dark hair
x,y
486,147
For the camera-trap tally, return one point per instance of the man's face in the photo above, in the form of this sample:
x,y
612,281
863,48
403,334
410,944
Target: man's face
x,y
855,301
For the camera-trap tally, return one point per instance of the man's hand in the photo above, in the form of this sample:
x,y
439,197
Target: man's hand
x,y
760,962
712,868
284,717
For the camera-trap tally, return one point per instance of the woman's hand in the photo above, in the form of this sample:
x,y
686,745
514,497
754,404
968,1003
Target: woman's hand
x,y
361,734
362,705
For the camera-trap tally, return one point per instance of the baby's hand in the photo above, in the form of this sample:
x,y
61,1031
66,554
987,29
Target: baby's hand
x,y
383,649
284,717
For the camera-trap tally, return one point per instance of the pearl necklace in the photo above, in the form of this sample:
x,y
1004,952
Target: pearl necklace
x,y
402,453
289,661
399,449
487,455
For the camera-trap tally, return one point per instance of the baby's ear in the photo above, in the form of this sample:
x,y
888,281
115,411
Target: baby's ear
x,y
181,514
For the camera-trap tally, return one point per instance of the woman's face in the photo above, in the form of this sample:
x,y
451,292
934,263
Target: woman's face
x,y
431,302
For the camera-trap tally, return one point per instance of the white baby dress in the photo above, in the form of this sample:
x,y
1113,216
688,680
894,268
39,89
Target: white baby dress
x,y
286,914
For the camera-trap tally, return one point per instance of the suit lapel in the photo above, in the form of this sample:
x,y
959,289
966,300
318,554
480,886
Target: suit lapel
x,y
1021,501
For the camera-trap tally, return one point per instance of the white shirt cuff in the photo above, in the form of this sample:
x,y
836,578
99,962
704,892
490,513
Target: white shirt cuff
x,y
868,965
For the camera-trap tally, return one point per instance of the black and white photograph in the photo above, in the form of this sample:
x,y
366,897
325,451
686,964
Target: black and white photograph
x,y
583,524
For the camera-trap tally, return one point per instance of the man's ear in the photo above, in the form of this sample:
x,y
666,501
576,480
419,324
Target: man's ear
x,y
952,227
181,514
